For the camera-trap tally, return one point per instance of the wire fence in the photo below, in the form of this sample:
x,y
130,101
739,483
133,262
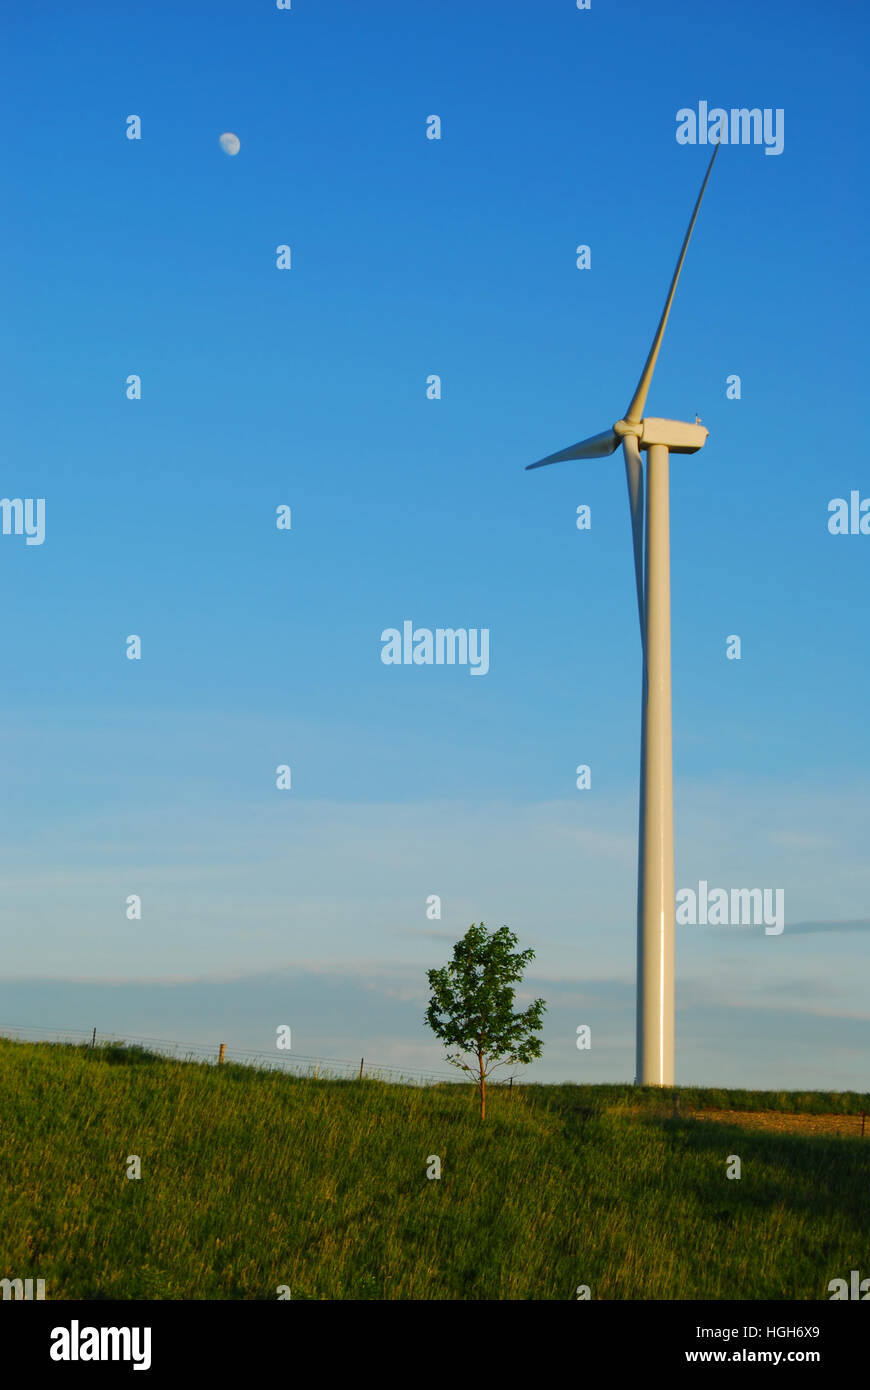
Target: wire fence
x,y
296,1063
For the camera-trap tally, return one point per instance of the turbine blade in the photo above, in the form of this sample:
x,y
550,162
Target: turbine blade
x,y
635,411
634,478
598,447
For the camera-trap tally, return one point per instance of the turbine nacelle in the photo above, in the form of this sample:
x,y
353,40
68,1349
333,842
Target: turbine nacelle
x,y
677,435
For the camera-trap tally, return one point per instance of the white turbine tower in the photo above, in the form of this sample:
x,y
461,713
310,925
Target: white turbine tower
x,y
652,563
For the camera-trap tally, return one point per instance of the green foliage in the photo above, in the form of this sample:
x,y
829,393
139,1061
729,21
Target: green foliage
x,y
124,1055
472,1003
251,1179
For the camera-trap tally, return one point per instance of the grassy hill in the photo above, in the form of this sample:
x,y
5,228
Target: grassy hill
x,y
254,1179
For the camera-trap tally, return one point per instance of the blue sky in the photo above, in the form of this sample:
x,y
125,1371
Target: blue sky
x,y
308,387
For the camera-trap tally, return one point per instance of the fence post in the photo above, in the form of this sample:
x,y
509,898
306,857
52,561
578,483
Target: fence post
x,y
316,1070
362,1059
94,1039
222,1053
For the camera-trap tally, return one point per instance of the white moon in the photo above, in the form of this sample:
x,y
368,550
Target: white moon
x,y
229,143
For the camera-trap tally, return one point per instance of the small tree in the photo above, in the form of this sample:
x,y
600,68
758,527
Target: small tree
x,y
472,1005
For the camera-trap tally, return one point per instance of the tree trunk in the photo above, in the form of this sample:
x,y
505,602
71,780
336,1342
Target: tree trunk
x,y
482,1086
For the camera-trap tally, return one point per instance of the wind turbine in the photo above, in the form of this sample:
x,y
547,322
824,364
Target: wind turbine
x,y
652,566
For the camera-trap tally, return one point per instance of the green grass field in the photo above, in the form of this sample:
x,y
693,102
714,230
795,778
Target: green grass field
x,y
255,1179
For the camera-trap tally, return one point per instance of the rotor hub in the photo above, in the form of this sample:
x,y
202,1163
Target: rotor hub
x,y
624,427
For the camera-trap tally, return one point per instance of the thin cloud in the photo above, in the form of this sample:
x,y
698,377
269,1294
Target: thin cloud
x,y
849,924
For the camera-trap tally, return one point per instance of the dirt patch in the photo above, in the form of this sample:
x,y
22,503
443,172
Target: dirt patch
x,y
781,1122
774,1121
